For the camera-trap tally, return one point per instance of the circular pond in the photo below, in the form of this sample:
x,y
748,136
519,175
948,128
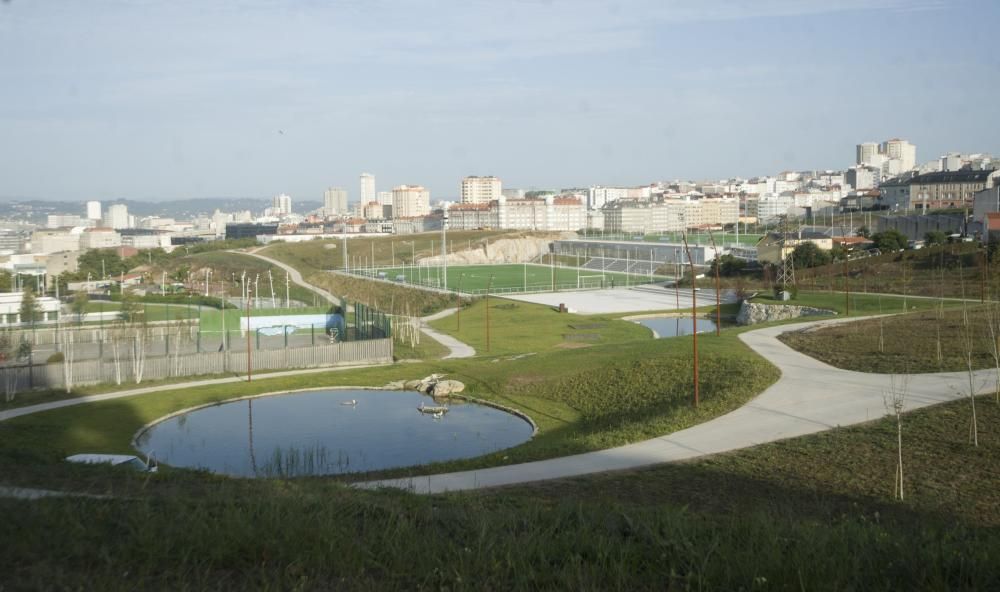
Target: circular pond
x,y
324,433
676,326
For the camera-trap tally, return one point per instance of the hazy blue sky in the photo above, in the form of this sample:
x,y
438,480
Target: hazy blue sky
x,y
160,100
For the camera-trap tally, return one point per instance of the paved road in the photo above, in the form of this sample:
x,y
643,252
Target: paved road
x,y
458,349
294,275
809,397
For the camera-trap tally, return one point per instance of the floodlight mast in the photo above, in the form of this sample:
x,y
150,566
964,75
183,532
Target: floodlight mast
x,y
694,316
489,285
249,357
718,292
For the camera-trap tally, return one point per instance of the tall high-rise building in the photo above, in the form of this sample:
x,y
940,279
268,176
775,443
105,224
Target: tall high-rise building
x,y
901,150
384,198
480,189
335,202
410,200
367,188
867,153
282,204
94,210
116,217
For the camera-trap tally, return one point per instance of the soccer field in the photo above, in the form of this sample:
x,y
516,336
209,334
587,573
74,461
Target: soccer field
x,y
513,278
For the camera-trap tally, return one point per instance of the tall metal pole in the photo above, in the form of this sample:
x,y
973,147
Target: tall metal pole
x,y
249,365
458,309
444,250
694,317
489,285
718,290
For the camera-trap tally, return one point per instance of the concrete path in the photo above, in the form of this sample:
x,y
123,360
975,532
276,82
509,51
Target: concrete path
x,y
295,276
29,493
458,349
809,397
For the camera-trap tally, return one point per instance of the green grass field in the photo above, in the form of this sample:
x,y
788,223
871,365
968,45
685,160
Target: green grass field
x,y
514,278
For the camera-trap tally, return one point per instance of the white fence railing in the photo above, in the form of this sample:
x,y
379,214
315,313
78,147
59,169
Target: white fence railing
x,y
15,379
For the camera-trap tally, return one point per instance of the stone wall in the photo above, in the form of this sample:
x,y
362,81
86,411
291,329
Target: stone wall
x,y
752,313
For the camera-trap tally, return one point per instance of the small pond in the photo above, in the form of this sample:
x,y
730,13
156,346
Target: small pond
x,y
676,326
315,433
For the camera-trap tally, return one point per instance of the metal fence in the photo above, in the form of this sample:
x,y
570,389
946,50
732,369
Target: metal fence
x,y
132,369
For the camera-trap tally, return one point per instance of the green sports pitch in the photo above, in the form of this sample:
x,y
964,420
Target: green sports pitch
x,y
510,278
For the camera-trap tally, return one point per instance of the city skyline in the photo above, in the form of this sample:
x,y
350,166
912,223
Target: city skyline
x,y
244,98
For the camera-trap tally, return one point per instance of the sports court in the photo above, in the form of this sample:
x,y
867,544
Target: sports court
x,y
511,278
622,300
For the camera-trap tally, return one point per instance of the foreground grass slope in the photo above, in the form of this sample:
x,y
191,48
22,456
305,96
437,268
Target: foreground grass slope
x,y
812,513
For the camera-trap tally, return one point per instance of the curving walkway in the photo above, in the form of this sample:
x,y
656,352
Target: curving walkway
x,y
809,397
294,274
458,348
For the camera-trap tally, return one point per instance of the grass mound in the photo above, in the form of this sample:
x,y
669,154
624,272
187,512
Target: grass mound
x,y
909,342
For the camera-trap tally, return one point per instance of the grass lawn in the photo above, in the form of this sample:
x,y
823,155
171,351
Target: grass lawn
x,y
909,342
521,327
473,279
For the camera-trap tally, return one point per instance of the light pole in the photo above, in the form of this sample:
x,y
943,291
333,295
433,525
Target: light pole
x,y
489,285
718,292
458,309
249,358
694,317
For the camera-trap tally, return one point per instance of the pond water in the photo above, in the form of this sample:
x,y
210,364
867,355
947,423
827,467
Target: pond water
x,y
676,326
315,433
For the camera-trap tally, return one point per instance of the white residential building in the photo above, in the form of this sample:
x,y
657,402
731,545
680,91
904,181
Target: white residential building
x,y
669,215
48,241
862,177
335,202
598,197
384,197
410,200
281,204
767,208
866,153
480,189
551,213
367,188
94,210
99,238
116,216
901,150
65,220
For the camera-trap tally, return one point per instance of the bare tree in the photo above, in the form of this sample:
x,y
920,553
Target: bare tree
x,y
138,339
992,336
9,372
895,403
68,357
117,334
968,346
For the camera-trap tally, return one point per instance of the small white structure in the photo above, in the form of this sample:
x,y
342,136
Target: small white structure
x,y
10,309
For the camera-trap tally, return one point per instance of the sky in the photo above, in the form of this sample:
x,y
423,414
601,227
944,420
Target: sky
x,y
157,100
